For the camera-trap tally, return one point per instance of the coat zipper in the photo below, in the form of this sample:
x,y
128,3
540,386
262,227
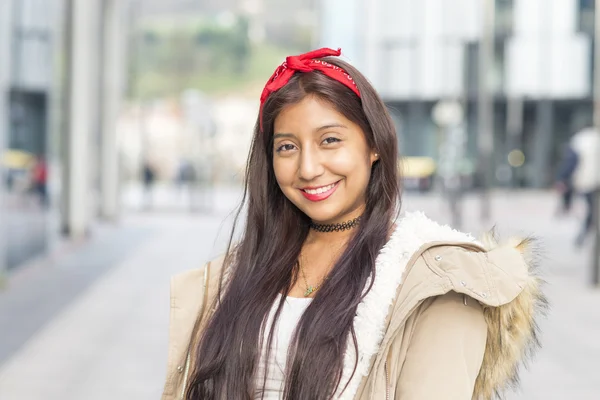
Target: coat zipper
x,y
189,349
387,382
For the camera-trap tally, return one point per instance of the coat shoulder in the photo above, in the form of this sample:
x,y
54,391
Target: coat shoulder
x,y
192,291
504,277
188,294
494,275
190,283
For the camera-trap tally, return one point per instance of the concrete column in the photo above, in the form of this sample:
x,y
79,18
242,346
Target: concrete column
x,y
5,60
81,118
415,140
514,134
542,144
485,108
114,32
595,264
370,65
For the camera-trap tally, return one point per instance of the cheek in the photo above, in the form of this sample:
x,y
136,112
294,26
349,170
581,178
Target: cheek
x,y
354,166
283,172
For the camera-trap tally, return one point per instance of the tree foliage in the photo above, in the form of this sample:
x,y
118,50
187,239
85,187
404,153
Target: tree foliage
x,y
167,59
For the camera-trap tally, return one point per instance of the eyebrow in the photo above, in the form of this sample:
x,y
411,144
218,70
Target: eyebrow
x,y
328,126
283,135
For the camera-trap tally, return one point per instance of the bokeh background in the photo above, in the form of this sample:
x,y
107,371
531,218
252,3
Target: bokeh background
x,y
125,127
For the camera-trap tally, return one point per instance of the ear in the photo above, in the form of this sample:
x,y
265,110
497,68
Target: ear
x,y
374,156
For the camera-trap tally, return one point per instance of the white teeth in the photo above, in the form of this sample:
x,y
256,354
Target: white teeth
x,y
320,190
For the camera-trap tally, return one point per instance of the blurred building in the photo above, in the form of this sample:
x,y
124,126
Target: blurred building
x,y
418,53
282,23
60,85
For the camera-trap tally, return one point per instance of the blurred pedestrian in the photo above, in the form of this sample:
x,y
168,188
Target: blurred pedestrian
x,y
186,180
328,290
581,170
39,178
564,181
186,175
149,176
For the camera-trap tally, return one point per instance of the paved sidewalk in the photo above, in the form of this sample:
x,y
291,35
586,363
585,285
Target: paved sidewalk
x,y
109,340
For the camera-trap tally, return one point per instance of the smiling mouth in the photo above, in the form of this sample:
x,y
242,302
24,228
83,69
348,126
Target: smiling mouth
x,y
320,190
320,193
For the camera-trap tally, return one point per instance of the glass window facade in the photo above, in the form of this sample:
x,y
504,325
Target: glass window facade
x,y
28,156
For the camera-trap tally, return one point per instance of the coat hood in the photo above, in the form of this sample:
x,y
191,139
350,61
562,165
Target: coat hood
x,y
501,276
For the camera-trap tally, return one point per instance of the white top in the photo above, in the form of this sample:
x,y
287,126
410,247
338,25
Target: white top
x,y
586,143
293,308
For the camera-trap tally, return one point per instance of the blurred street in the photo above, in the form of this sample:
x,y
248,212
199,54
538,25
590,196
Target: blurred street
x,y
125,128
90,322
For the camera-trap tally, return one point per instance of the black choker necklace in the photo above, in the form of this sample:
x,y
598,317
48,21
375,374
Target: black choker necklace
x,y
344,226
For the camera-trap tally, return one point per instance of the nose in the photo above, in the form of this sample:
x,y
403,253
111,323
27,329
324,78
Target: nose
x,y
311,165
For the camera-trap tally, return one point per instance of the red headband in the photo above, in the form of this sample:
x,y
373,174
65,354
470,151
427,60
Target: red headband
x,y
306,62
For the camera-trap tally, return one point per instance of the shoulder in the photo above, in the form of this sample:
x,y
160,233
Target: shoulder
x,y
191,290
504,279
187,286
492,271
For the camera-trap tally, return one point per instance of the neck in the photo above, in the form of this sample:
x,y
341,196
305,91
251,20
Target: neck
x,y
333,236
329,237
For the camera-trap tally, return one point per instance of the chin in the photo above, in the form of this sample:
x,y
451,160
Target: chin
x,y
325,215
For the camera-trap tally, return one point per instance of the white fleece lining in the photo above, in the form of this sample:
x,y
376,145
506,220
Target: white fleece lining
x,y
413,230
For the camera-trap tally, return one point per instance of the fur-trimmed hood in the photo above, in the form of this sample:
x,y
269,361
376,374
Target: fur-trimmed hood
x,y
424,261
513,332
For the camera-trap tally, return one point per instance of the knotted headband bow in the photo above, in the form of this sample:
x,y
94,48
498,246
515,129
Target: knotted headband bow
x,y
306,62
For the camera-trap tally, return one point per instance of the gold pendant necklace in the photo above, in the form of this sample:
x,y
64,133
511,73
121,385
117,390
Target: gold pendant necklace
x,y
310,289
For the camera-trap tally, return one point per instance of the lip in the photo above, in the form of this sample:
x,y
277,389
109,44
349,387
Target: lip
x,y
319,196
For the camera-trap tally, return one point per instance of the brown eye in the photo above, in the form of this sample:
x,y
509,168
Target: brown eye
x,y
285,147
331,140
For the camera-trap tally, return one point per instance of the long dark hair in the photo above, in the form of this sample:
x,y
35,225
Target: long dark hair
x,y
263,264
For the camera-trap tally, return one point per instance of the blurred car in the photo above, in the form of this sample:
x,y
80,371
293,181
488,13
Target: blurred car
x,y
17,165
417,173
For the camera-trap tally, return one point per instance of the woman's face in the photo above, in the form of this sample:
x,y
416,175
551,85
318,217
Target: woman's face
x,y
322,161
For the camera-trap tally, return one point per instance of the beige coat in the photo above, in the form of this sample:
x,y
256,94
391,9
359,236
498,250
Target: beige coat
x,y
447,317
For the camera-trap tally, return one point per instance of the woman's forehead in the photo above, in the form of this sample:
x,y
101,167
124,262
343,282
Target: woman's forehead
x,y
309,114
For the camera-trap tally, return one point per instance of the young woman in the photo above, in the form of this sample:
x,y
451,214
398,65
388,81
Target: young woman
x,y
330,294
